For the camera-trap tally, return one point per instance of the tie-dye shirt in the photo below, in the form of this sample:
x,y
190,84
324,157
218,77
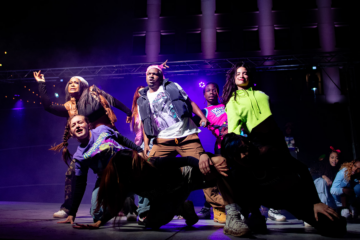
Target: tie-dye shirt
x,y
98,152
217,117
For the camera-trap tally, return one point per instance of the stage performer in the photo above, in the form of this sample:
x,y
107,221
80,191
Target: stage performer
x,y
216,115
165,111
249,110
88,101
137,127
274,180
165,181
96,148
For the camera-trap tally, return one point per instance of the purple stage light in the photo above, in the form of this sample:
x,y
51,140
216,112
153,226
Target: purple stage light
x,y
255,84
18,105
202,84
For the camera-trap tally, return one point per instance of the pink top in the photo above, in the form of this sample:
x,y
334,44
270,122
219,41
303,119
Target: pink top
x,y
217,117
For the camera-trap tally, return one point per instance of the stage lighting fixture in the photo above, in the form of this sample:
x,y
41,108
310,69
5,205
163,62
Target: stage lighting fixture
x,y
255,84
56,95
5,52
202,84
314,89
313,67
61,80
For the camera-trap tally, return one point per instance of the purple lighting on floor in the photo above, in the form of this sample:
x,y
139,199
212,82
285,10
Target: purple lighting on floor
x,y
202,84
18,105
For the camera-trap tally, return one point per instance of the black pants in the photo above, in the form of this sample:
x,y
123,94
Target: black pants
x,y
290,193
129,205
69,187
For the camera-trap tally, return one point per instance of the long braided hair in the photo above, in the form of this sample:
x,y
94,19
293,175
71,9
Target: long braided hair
x,y
66,155
230,86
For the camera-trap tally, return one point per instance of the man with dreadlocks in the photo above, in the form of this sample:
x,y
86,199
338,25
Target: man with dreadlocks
x,y
90,102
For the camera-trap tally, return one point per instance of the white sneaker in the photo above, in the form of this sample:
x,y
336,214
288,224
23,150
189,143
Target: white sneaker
x,y
307,225
345,213
275,215
60,214
131,217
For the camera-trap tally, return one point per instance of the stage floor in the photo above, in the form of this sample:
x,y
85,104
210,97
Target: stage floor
x,y
20,220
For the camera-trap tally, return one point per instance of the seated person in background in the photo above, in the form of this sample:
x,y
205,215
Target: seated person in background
x,y
323,174
281,182
96,148
346,188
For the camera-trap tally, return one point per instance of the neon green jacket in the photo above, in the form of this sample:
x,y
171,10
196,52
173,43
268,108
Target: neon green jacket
x,y
249,110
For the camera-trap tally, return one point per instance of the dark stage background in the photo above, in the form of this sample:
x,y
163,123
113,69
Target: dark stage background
x,y
32,173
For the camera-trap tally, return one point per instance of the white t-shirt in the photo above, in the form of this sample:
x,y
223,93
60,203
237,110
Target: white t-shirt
x,y
166,123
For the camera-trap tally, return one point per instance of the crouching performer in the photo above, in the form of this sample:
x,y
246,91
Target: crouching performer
x,y
258,179
96,148
156,178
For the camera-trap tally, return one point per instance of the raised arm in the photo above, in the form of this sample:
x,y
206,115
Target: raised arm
x,y
57,110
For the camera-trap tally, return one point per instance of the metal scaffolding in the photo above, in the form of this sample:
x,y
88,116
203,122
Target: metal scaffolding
x,y
211,66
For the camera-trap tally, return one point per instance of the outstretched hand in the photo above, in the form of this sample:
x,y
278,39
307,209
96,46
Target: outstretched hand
x,y
326,210
70,219
39,77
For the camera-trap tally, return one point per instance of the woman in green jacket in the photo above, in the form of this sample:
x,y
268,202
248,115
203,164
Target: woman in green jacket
x,y
268,166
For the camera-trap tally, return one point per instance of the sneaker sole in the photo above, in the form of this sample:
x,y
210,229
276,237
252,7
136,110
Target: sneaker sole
x,y
242,233
215,220
60,216
277,220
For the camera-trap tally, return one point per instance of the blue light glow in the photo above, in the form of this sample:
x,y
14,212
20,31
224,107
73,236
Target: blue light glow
x,y
202,84
61,80
314,89
314,67
56,95
18,105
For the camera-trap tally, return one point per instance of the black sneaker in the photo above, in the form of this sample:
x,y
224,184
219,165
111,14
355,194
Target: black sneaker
x,y
189,213
257,223
204,213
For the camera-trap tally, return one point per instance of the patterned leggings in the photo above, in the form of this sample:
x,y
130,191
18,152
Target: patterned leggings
x,y
69,181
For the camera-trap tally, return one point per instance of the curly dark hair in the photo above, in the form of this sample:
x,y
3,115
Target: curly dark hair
x,y
230,86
